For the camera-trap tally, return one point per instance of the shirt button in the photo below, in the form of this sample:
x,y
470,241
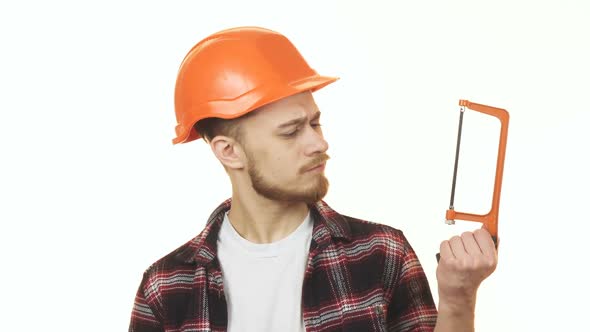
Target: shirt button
x,y
379,309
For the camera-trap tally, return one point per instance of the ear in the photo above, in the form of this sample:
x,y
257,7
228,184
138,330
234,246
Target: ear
x,y
228,151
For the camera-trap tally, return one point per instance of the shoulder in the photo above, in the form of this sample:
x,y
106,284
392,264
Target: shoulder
x,y
385,237
173,282
172,271
352,231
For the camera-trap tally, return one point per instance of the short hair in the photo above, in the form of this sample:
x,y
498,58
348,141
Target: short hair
x,y
208,128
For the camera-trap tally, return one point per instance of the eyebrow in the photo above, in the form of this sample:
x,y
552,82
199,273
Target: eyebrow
x,y
300,120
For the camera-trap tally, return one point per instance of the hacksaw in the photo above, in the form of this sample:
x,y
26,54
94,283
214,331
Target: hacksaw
x,y
490,219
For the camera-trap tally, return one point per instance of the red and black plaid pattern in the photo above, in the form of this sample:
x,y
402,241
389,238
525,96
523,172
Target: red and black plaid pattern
x,y
360,276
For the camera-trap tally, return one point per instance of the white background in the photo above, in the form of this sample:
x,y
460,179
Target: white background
x,y
92,191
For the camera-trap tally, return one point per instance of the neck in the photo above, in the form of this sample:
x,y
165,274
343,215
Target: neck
x,y
261,220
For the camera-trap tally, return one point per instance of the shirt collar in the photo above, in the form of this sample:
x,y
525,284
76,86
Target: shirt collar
x,y
329,225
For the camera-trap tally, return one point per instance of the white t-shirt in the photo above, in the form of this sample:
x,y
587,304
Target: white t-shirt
x,y
263,282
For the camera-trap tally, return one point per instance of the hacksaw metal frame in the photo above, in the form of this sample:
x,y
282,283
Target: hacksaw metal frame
x,y
489,220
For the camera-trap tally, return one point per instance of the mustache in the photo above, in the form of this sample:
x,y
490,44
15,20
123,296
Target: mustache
x,y
315,162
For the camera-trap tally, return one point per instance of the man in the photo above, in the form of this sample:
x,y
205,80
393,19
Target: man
x,y
275,257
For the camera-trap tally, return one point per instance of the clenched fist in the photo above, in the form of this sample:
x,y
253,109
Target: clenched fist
x,y
465,261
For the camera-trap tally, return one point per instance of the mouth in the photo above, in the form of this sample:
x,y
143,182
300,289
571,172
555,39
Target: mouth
x,y
319,167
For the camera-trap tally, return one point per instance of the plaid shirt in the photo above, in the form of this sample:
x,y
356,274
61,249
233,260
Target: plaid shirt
x,y
360,276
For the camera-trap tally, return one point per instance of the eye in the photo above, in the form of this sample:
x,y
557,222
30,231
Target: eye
x,y
296,131
293,133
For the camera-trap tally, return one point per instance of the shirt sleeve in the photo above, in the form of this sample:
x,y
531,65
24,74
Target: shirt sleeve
x,y
411,307
143,318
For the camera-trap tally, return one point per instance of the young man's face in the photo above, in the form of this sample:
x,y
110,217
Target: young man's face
x,y
283,141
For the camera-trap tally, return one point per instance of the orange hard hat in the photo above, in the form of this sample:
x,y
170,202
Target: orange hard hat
x,y
236,71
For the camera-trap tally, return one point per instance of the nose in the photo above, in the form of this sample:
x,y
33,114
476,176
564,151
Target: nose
x,y
316,144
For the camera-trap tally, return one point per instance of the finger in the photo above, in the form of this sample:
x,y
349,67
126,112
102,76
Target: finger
x,y
485,242
470,244
494,238
445,250
457,247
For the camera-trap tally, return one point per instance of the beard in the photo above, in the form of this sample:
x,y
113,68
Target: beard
x,y
310,194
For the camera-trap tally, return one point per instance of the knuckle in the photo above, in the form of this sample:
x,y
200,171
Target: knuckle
x,y
485,264
466,233
481,231
490,263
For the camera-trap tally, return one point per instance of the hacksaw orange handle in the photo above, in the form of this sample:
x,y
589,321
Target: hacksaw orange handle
x,y
489,220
